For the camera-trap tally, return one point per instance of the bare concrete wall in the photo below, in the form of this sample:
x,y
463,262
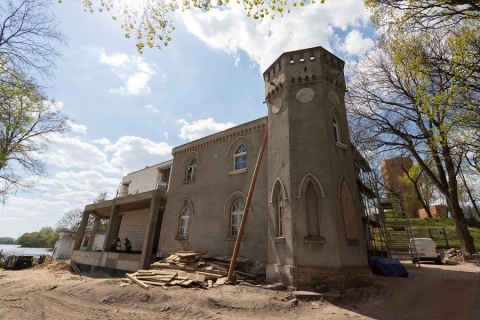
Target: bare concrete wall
x,y
134,225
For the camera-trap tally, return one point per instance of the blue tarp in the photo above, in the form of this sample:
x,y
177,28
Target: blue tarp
x,y
387,267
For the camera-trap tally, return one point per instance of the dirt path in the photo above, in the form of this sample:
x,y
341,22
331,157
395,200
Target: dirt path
x,y
431,292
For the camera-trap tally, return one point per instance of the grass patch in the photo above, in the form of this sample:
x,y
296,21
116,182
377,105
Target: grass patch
x,y
420,225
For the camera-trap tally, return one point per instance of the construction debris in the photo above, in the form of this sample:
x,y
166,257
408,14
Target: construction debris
x,y
188,269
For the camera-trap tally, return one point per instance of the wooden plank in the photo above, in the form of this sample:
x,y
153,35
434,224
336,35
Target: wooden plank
x,y
211,275
155,283
155,278
186,254
139,282
196,277
186,283
218,266
74,266
165,272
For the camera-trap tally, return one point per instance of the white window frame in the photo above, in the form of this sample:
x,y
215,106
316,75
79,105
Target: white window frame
x,y
240,157
236,214
191,170
184,219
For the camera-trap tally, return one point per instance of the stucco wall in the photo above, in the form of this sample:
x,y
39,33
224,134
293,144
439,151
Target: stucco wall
x,y
212,194
305,91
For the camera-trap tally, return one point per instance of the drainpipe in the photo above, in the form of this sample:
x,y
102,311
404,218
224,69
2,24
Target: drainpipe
x,y
247,206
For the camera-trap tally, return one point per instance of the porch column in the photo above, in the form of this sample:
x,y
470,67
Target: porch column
x,y
113,227
81,230
150,234
96,223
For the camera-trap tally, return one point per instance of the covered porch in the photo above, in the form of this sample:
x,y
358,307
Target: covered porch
x,y
151,204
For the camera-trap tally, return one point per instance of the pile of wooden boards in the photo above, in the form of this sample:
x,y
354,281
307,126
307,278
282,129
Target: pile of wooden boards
x,y
187,269
170,277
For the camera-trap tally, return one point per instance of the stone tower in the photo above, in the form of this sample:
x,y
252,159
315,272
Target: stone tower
x,y
315,230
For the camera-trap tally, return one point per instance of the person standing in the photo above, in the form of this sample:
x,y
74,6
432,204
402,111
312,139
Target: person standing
x,y
128,245
115,244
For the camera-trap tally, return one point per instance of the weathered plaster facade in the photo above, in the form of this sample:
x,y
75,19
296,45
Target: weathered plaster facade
x,y
304,222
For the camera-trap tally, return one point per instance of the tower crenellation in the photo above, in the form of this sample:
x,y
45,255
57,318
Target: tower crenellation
x,y
303,66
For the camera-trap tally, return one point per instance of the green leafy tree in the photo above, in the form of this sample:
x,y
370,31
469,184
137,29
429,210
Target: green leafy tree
x,y
7,240
45,238
27,122
420,190
407,99
150,22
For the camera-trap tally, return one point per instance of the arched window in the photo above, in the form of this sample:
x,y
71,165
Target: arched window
x,y
184,217
336,130
240,159
279,207
191,168
236,214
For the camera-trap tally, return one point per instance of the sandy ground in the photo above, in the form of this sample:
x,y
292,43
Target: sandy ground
x,y
52,292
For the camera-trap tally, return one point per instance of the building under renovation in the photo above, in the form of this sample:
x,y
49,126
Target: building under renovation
x,y
305,214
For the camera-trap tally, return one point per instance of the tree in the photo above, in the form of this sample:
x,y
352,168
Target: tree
x,y
407,99
424,14
27,123
70,221
421,192
458,20
45,238
28,33
150,21
102,196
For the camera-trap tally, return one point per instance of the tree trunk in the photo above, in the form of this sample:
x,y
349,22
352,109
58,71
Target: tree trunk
x,y
461,226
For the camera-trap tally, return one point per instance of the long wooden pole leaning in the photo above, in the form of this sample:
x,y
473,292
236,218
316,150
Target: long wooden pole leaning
x,y
231,270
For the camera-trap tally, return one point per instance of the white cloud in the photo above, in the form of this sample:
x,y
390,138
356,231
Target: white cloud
x,y
356,44
134,72
78,128
151,108
201,128
74,153
102,141
115,60
229,29
131,153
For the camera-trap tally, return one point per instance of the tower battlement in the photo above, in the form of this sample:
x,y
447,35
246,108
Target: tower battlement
x,y
304,66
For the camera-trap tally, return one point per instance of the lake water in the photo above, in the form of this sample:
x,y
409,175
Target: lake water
x,y
9,249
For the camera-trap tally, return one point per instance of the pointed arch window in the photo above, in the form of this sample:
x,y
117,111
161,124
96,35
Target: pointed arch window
x,y
240,157
236,214
336,130
184,218
191,170
311,204
279,209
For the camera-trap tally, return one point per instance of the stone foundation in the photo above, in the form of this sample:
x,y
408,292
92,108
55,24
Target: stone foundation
x,y
310,277
338,278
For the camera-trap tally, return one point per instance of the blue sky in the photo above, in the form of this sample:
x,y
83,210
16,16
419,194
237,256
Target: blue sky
x,y
128,110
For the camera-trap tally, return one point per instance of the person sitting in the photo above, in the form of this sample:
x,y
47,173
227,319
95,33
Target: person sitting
x,y
115,244
128,245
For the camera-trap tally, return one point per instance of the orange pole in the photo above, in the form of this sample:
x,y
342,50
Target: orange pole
x,y
245,210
